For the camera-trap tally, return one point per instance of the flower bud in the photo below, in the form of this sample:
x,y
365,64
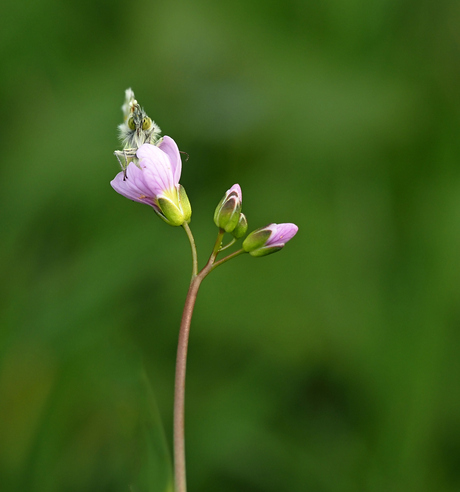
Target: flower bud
x,y
269,239
228,211
241,228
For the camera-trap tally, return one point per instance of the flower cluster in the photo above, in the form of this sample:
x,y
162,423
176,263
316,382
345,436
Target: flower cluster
x,y
261,242
153,179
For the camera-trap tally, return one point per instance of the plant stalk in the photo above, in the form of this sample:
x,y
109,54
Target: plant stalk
x,y
181,360
179,388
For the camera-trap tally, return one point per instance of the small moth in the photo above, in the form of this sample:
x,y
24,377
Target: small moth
x,y
137,129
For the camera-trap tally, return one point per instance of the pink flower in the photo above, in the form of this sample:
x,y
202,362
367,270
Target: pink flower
x,y
269,239
154,180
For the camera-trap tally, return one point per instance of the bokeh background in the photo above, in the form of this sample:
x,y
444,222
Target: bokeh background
x,y
332,366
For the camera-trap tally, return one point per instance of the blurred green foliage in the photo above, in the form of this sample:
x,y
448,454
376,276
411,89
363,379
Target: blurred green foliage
x,y
330,367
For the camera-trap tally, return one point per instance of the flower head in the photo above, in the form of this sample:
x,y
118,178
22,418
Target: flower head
x,y
228,211
155,181
269,239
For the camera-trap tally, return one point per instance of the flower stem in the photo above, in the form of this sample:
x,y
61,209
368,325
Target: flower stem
x,y
229,257
231,243
179,389
217,246
181,361
193,246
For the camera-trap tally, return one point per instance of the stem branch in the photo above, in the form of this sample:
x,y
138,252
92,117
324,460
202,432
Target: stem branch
x,y
229,257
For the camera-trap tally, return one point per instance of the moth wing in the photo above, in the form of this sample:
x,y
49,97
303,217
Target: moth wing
x,y
128,105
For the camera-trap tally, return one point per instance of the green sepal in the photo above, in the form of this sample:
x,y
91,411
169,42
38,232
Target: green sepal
x,y
171,212
185,204
265,251
256,240
217,211
227,213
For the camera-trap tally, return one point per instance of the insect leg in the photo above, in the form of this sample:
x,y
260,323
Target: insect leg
x,y
125,170
124,166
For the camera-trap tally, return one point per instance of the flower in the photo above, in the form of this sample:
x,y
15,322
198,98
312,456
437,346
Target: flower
x,y
269,239
228,211
155,181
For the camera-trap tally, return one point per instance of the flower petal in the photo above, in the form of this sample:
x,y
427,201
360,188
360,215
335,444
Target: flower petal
x,y
156,168
236,188
134,186
282,233
169,147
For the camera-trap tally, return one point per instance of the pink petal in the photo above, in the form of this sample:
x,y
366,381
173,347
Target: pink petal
x,y
282,233
134,186
156,168
236,188
169,147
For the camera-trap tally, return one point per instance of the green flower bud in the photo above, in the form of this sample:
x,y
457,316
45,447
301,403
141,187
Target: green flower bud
x,y
269,239
228,211
241,228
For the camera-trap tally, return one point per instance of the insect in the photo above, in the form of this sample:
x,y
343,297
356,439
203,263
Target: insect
x,y
137,129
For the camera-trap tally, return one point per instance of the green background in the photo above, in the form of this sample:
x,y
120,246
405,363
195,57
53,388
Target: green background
x,y
332,366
